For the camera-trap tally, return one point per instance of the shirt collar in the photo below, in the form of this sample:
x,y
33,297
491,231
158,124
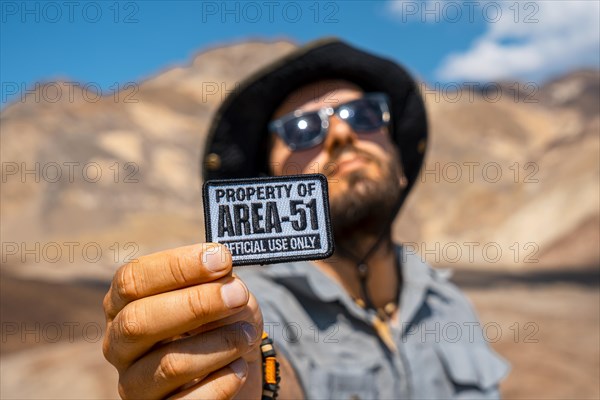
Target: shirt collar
x,y
418,279
306,278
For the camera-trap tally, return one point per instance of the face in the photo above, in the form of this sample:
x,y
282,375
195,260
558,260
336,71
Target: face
x,y
362,169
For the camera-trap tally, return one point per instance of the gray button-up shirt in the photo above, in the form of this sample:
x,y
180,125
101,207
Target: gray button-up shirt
x,y
337,354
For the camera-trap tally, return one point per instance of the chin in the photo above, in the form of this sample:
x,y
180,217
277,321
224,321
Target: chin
x,y
364,199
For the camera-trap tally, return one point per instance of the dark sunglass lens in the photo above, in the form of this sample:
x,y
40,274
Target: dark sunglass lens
x,y
364,115
302,132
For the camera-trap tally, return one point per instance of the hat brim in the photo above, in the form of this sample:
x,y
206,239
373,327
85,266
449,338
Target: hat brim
x,y
237,139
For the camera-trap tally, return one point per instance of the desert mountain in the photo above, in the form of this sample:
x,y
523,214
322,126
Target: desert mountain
x,y
88,182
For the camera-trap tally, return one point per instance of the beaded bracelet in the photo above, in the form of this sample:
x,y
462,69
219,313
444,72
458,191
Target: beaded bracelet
x,y
271,376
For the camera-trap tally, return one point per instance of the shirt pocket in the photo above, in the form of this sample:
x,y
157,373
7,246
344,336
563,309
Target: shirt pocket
x,y
348,381
474,369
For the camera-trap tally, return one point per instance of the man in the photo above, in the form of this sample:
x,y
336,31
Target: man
x,y
371,321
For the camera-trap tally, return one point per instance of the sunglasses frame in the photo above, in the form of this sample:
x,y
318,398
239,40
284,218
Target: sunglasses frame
x,y
277,126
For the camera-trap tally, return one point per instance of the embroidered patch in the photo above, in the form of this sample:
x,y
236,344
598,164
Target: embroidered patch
x,y
269,220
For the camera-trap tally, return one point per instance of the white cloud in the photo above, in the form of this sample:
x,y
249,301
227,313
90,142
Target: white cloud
x,y
566,36
529,40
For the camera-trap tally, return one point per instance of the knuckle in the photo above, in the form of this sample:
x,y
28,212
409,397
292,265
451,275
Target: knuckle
x,y
171,366
107,304
109,349
116,358
199,304
177,269
129,326
106,348
127,283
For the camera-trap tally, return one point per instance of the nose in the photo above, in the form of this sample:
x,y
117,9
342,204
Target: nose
x,y
339,134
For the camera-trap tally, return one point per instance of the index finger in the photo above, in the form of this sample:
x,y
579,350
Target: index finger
x,y
165,271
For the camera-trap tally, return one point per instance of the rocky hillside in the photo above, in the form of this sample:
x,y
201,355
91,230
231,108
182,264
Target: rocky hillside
x,y
88,183
512,176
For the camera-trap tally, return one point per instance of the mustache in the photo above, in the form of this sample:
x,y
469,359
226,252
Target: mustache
x,y
332,164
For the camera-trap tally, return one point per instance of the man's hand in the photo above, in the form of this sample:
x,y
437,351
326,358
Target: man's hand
x,y
180,324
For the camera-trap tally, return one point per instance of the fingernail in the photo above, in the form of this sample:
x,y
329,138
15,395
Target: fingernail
x,y
234,294
250,331
239,368
215,259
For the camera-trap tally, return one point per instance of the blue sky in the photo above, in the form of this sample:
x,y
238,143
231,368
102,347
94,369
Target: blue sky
x,y
108,42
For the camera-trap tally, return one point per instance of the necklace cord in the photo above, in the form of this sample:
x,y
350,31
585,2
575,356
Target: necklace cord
x,y
361,263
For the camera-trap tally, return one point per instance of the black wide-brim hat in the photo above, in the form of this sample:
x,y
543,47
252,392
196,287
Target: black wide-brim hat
x,y
237,139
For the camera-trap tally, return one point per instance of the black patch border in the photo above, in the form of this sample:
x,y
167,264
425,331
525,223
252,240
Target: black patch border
x,y
272,179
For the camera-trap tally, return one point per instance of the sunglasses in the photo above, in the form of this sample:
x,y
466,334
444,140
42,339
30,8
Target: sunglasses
x,y
302,130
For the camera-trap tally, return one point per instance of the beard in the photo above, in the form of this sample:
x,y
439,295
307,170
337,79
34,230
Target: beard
x,y
368,205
